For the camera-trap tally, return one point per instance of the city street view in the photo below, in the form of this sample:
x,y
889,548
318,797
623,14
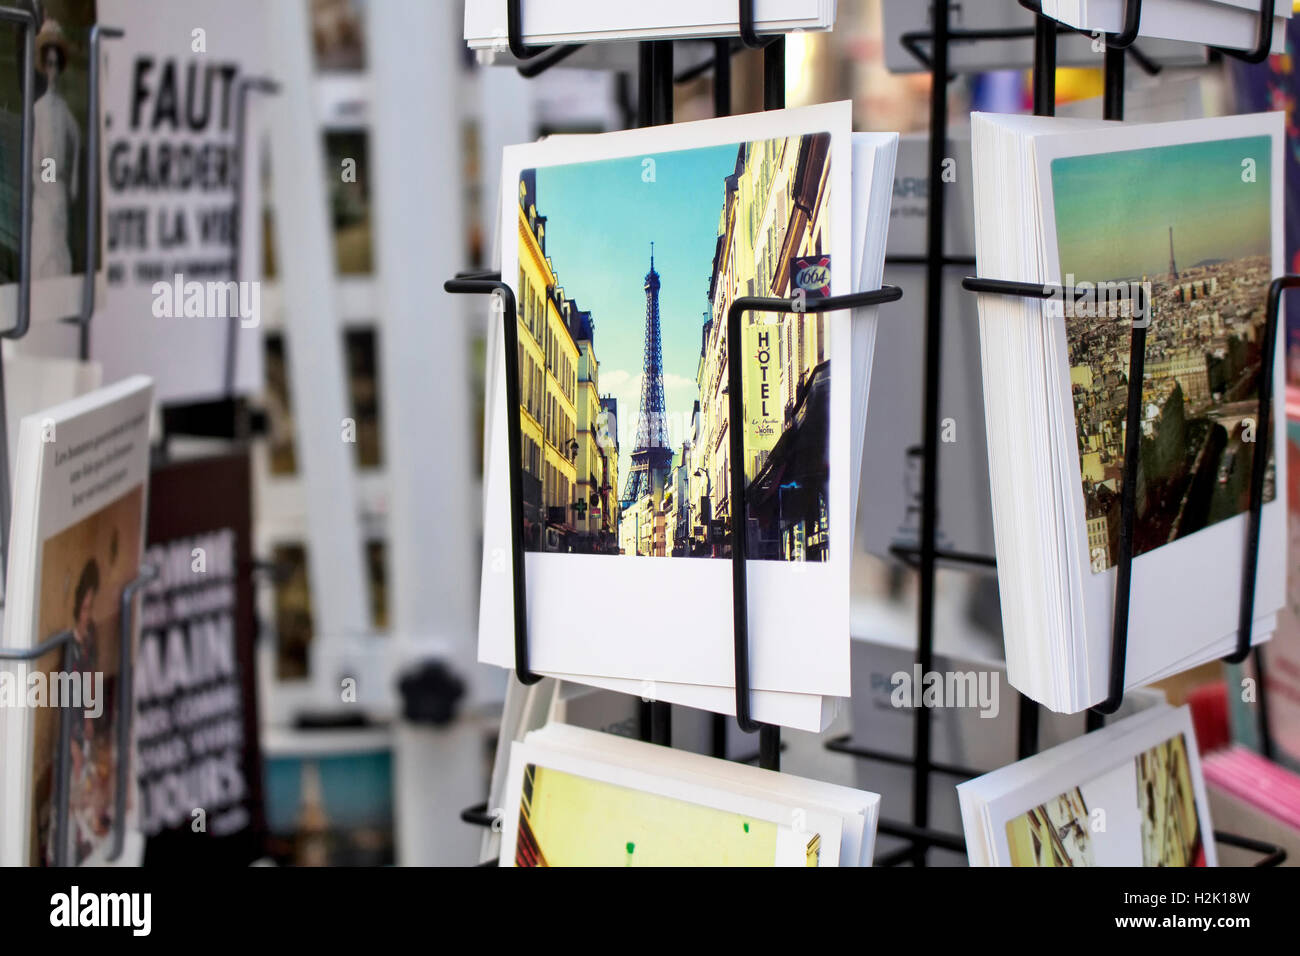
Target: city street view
x,y
624,398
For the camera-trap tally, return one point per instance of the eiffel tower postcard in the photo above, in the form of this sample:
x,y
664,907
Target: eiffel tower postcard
x,y
626,270
625,252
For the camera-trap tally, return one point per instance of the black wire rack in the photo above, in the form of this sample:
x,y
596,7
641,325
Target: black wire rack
x,y
931,48
924,557
654,107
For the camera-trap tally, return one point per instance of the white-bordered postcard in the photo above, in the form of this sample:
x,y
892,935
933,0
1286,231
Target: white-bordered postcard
x,y
572,799
624,409
1129,795
80,495
1193,209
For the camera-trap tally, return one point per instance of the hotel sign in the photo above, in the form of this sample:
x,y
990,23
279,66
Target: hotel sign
x,y
763,412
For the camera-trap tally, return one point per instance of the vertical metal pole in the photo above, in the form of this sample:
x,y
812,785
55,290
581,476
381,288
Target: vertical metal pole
x,y
718,737
1044,105
721,78
25,21
1263,727
661,723
97,32
656,92
1259,465
1127,514
1044,66
644,82
644,721
774,74
662,88
930,416
1113,99
241,168
644,117
246,85
126,704
1026,728
769,747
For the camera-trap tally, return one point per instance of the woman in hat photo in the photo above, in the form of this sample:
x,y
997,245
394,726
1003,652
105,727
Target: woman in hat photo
x,y
56,158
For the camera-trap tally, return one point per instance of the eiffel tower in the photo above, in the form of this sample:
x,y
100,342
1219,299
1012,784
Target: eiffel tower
x,y
652,456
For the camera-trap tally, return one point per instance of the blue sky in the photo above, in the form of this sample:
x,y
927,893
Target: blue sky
x,y
601,219
1114,210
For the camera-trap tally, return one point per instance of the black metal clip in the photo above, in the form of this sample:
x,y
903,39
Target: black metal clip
x,y
1265,42
1128,487
1115,41
912,40
1133,26
736,411
87,311
532,59
64,641
489,283
1273,855
748,34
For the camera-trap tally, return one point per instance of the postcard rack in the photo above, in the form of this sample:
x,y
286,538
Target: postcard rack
x,y
1045,32
655,106
26,23
82,319
64,641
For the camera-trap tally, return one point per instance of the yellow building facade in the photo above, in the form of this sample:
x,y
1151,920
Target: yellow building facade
x,y
548,384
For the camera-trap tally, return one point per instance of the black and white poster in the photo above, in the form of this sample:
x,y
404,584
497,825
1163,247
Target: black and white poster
x,y
171,173
197,757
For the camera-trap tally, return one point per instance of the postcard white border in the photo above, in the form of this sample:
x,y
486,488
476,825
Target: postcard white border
x,y
798,612
1161,603
1154,727
826,824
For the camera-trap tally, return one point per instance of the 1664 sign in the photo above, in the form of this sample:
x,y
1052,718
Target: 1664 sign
x,y
812,274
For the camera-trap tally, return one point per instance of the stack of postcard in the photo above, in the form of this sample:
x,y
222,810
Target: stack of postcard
x,y
1225,23
625,252
890,514
903,17
1177,228
545,22
75,545
577,797
1130,794
1254,797
973,719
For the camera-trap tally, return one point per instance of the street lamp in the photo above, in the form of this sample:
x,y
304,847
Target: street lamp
x,y
706,514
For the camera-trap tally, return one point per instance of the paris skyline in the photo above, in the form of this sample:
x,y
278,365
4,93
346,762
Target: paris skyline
x,y
1203,350
1217,209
